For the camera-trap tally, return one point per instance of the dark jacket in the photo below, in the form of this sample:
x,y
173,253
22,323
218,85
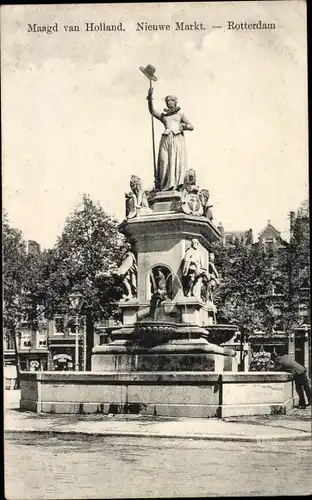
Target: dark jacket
x,y
288,364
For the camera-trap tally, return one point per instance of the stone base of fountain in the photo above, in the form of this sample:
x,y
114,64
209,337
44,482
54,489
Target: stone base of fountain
x,y
165,346
167,394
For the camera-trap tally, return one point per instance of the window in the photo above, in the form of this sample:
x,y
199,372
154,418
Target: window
x,y
279,326
59,325
41,339
71,325
8,344
26,340
269,246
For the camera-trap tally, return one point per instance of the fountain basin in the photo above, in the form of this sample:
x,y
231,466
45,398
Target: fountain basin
x,y
174,394
220,334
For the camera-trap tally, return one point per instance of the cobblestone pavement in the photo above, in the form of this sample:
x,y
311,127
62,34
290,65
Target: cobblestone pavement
x,y
39,466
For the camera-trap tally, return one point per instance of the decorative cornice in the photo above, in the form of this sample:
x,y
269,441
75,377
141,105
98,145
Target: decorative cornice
x,y
172,225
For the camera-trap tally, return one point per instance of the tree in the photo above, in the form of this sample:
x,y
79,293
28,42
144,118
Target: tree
x,y
246,282
82,260
249,275
14,259
296,265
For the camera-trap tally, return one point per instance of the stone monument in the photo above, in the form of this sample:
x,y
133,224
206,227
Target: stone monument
x,y
169,357
168,318
169,276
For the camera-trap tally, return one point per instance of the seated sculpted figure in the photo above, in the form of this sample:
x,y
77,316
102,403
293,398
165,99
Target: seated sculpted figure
x,y
192,268
136,198
127,271
204,198
159,290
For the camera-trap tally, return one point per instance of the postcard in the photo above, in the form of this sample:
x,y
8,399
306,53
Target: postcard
x,y
186,123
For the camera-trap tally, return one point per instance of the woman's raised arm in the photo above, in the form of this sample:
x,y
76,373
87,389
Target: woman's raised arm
x,y
150,104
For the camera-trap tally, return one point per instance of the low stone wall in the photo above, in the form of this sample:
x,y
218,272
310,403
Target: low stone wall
x,y
9,373
256,393
174,394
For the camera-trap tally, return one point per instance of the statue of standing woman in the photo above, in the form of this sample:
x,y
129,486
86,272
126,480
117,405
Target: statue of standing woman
x,y
172,161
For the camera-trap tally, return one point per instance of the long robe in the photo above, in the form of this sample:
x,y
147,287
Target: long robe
x,y
172,157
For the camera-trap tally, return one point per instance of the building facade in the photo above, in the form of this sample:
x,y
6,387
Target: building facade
x,y
32,347
270,238
233,237
52,346
62,343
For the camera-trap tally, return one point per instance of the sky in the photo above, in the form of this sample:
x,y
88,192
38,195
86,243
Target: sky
x,y
75,118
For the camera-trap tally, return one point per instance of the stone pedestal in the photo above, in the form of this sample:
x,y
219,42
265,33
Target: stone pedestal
x,y
160,346
129,311
166,201
175,338
195,311
161,238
